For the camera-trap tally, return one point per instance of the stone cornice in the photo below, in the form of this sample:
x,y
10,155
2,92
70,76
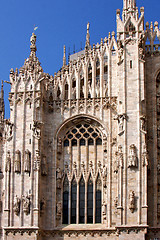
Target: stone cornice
x,y
77,231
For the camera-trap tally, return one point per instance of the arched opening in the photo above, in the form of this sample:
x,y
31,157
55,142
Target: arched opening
x,y
65,200
82,201
98,199
90,200
73,200
82,153
73,88
66,92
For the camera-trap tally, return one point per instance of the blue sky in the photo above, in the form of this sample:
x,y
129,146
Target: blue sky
x,y
59,22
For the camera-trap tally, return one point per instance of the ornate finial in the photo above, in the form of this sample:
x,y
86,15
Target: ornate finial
x,y
88,35
64,56
33,43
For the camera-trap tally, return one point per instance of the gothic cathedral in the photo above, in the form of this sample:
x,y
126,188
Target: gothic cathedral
x,y
80,154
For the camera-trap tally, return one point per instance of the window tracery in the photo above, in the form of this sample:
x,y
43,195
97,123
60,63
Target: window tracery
x,y
82,163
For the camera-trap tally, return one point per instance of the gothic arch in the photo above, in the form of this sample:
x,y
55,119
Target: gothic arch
x,y
83,162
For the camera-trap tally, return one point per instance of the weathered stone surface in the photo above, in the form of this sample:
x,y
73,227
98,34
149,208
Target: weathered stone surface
x,y
79,156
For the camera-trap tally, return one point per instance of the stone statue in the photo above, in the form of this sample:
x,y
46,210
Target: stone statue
x,y
120,156
104,210
120,51
59,145
59,208
27,161
37,129
132,201
37,161
132,159
17,163
44,168
116,163
16,206
145,160
8,162
59,177
42,204
26,204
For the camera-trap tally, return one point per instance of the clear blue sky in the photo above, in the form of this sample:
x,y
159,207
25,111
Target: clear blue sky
x,y
59,22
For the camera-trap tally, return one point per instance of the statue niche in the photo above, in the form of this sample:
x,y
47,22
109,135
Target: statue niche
x,y
27,161
132,159
17,164
26,204
16,206
132,201
8,162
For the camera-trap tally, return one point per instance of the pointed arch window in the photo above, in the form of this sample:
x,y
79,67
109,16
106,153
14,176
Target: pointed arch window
x,y
90,201
82,201
66,92
65,200
98,199
73,200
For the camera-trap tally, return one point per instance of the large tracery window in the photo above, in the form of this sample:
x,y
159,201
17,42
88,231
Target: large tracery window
x,y
83,149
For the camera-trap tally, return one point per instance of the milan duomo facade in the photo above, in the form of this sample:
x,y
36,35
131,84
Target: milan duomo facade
x,y
80,154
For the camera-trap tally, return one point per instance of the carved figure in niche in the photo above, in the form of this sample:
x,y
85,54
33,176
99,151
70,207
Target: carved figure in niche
x,y
37,160
132,159
8,130
59,177
59,145
8,162
116,202
120,51
91,164
104,210
120,118
37,129
27,161
132,201
99,164
104,171
44,168
59,209
120,155
26,204
16,206
116,163
145,159
42,204
83,166
74,93
75,166
143,123
17,164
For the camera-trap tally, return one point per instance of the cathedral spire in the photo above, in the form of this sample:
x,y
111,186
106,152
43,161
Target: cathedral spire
x,y
33,43
88,35
129,6
64,56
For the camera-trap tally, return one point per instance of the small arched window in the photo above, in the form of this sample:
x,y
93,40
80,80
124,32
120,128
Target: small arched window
x,y
82,201
98,199
65,200
90,200
73,200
